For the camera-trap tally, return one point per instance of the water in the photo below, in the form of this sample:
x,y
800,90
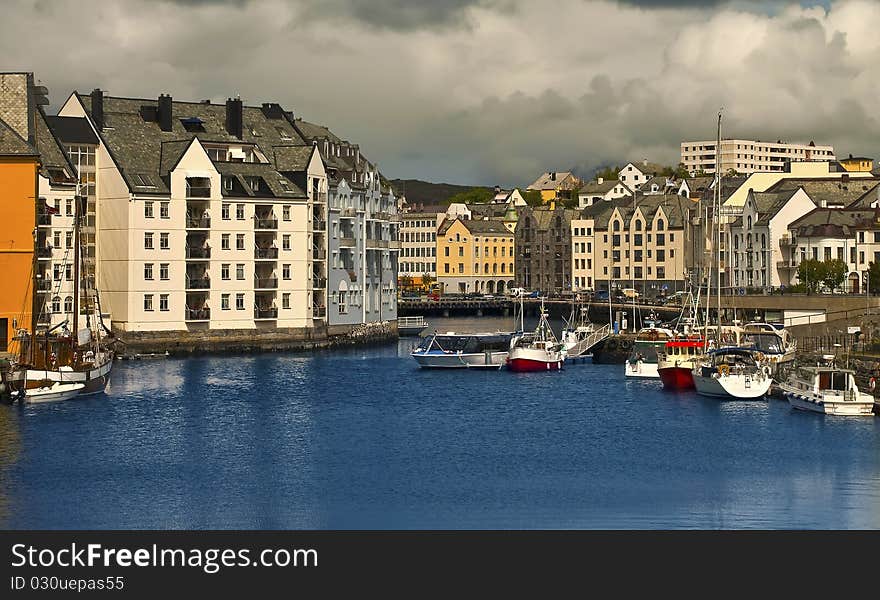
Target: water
x,y
362,438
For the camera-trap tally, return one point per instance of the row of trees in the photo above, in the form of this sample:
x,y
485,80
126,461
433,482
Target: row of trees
x,y
813,275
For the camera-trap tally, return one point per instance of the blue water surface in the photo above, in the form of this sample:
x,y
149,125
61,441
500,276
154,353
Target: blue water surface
x,y
361,438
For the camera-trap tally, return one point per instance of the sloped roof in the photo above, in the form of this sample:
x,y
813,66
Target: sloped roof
x,y
72,130
830,222
594,187
770,203
12,144
56,164
545,182
649,168
828,191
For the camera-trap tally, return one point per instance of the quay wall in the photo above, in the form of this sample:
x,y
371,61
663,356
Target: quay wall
x,y
237,341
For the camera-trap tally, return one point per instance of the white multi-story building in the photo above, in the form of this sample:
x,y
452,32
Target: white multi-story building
x,y
418,245
205,214
749,156
635,174
601,190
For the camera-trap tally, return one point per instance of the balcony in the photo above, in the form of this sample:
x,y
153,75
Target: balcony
x,y
265,283
265,313
319,283
265,253
44,285
198,283
44,253
319,312
318,254
786,241
786,264
198,222
198,187
197,314
319,197
265,223
44,220
197,253
348,212
319,225
347,242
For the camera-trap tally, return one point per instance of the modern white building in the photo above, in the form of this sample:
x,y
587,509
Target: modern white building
x,y
208,215
749,156
418,244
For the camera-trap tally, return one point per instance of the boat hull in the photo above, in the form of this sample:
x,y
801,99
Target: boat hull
x,y
731,387
676,378
531,365
455,360
56,392
94,380
641,369
813,403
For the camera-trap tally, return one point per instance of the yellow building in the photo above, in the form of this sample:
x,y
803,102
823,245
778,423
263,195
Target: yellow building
x,y
475,256
19,163
857,164
555,185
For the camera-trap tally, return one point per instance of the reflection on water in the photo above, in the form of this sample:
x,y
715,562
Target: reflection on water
x,y
363,438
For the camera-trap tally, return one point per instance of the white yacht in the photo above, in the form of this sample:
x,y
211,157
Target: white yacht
x,y
732,373
650,342
827,389
773,341
452,350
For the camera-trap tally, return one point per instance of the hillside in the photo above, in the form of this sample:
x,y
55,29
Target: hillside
x,y
425,192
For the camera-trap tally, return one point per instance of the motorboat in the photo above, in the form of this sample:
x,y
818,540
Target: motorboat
x,y
827,389
52,392
453,350
732,373
644,357
538,350
677,361
773,341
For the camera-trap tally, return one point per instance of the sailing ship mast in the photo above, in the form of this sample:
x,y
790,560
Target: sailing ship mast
x,y
718,217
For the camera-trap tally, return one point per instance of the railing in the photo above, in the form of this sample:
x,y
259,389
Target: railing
x,y
348,212
44,252
318,254
786,264
347,242
265,313
787,241
265,253
192,252
268,223
319,312
197,314
198,283
319,225
198,222
44,285
320,197
265,282
319,282
44,219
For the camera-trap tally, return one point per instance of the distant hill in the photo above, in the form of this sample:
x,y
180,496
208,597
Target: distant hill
x,y
425,192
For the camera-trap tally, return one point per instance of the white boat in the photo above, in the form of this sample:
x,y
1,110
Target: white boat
x,y
411,325
773,341
452,350
828,390
650,342
536,351
732,373
53,392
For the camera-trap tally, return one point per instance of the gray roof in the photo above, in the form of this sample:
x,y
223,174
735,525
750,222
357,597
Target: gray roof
x,y
594,187
831,222
138,145
72,130
770,203
675,208
12,144
828,191
56,164
548,182
481,226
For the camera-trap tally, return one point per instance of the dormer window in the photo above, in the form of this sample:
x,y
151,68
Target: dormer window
x,y
193,124
283,133
142,180
253,183
285,185
227,184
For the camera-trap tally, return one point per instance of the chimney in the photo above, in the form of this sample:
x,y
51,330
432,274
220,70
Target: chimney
x,y
552,176
497,189
273,110
98,108
234,122
644,162
599,180
165,112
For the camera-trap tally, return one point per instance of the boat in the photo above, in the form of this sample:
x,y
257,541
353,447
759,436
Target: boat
x,y
677,361
536,351
827,389
644,357
63,354
773,341
732,373
407,326
453,350
52,392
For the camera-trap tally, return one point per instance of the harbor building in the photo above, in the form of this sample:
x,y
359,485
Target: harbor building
x,y
475,256
360,234
205,214
418,245
543,248
750,156
19,173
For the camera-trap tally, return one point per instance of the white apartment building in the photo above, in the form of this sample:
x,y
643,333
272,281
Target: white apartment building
x,y
750,156
205,214
635,174
418,244
600,190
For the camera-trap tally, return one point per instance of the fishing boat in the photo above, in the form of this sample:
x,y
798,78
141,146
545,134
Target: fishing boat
x,y
677,361
773,341
538,350
732,373
827,389
452,350
65,353
407,326
643,360
53,392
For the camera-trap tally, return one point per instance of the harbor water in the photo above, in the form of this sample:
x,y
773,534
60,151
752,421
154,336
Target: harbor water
x,y
361,438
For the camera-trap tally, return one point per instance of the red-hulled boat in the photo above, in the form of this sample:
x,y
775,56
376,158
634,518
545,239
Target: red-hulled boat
x,y
538,351
675,366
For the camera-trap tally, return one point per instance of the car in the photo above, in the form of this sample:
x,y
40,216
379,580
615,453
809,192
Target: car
x,y
601,295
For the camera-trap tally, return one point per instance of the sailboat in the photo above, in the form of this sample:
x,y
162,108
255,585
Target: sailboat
x,y
64,362
537,351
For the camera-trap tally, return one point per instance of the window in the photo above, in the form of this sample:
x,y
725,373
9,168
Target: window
x,y
148,271
285,213
148,210
285,301
56,239
68,304
239,212
224,302
68,239
461,267
148,241
224,212
68,207
148,302
239,302
57,273
164,210
224,241
163,241
342,304
461,250
163,302
227,181
285,272
56,304
285,242
224,272
68,272
239,241
163,271
239,271
446,267
447,251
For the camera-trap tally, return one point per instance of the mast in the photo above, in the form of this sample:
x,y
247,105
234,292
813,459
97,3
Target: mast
x,y
718,215
76,256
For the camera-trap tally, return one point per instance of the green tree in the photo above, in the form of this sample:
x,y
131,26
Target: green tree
x,y
609,173
835,273
404,283
532,197
427,280
874,277
570,202
476,195
681,172
731,172
811,274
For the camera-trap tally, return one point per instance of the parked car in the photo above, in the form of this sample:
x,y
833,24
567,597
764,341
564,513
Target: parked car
x,y
601,295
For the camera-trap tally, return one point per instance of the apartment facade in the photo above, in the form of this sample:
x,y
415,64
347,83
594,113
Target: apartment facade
x,y
750,156
475,256
418,245
205,214
543,249
600,190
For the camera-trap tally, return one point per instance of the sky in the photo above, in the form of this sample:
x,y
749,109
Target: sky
x,y
482,92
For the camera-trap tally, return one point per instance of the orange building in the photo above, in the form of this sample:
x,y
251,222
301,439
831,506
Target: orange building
x,y
19,163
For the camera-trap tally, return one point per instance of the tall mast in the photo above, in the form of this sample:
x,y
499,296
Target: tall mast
x,y
718,215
